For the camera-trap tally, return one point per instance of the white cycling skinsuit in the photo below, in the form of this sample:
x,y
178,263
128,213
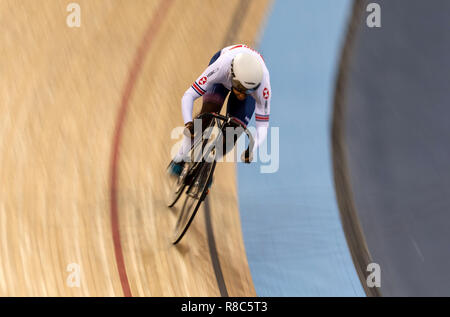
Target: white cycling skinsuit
x,y
219,72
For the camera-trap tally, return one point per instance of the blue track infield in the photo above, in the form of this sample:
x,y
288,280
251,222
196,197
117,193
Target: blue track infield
x,y
292,231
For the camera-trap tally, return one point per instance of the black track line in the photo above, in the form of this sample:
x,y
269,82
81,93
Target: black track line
x,y
230,37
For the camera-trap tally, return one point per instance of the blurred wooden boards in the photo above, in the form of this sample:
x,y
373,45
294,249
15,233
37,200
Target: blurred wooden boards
x,y
60,90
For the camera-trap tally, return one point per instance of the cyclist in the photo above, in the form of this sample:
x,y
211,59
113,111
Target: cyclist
x,y
241,70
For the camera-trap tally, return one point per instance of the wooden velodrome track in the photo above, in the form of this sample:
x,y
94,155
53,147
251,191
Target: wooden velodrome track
x,y
86,117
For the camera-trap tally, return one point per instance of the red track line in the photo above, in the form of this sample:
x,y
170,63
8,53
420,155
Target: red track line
x,y
134,71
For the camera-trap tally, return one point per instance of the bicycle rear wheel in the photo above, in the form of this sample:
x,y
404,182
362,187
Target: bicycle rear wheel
x,y
195,194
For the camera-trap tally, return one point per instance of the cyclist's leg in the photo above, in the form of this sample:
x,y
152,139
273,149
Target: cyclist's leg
x,y
212,102
242,110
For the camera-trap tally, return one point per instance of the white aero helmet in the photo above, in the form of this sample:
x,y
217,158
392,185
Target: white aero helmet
x,y
246,72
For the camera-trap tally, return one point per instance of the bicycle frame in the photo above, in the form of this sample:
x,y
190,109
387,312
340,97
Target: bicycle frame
x,y
221,122
199,173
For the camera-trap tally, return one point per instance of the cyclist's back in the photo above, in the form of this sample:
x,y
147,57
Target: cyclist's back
x,y
241,70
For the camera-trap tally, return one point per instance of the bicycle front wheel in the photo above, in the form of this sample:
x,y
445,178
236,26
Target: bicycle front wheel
x,y
195,194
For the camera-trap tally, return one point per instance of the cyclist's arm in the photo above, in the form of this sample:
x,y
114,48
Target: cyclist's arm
x,y
209,77
262,111
187,104
261,134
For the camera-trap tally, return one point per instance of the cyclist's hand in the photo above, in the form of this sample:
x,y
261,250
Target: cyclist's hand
x,y
189,129
247,156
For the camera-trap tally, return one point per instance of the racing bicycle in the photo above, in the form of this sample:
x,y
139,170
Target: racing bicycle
x,y
198,169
